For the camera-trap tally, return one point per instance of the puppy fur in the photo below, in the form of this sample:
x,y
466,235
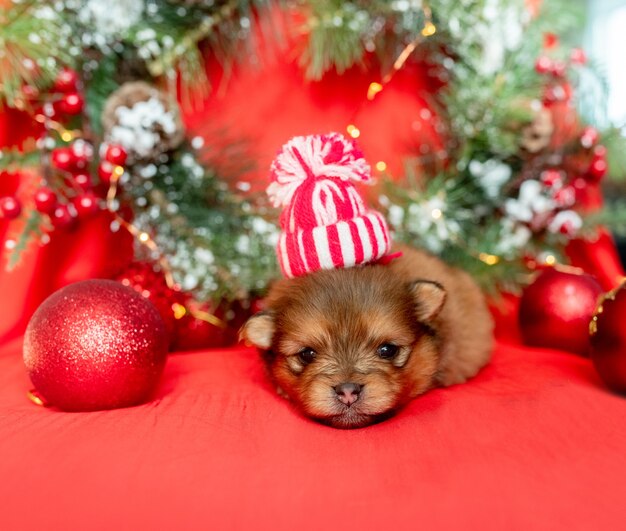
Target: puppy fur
x,y
337,327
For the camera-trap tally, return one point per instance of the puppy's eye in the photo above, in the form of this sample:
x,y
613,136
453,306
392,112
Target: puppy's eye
x,y
306,355
387,351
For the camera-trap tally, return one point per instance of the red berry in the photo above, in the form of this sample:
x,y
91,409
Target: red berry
x,y
116,154
543,65
45,200
589,137
580,184
599,151
86,204
568,228
551,178
550,40
597,170
565,197
30,92
105,171
83,152
61,217
66,80
559,68
10,207
83,180
71,104
578,56
63,158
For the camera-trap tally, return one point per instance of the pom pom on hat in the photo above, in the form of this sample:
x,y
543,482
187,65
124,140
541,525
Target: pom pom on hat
x,y
325,223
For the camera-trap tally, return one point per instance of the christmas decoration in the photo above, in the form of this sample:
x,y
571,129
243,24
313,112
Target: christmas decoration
x,y
324,221
555,311
142,121
608,339
45,200
10,207
105,91
95,345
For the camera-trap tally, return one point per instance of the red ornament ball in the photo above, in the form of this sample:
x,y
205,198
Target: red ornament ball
x,y
95,345
45,200
10,207
608,340
71,104
555,311
116,155
66,81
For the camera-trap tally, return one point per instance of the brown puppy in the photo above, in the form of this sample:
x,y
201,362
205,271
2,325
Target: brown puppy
x,y
351,346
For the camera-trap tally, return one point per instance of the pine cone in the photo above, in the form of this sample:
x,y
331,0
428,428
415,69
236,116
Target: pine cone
x,y
537,135
143,120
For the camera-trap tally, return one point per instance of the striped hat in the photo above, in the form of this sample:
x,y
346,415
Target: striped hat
x,y
325,224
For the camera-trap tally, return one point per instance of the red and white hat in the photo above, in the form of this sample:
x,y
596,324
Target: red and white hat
x,y
325,224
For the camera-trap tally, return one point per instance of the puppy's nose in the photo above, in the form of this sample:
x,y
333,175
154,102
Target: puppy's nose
x,y
348,392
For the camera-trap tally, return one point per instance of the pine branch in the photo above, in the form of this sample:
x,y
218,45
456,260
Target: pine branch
x,y
31,231
33,48
12,160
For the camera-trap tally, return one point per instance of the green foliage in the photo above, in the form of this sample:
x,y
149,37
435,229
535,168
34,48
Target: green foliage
x,y
30,232
12,159
216,242
34,44
615,141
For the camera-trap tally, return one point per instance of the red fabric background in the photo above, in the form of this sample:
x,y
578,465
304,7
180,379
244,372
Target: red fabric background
x,y
533,443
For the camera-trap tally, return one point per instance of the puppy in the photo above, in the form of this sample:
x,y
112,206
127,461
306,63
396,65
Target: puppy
x,y
349,347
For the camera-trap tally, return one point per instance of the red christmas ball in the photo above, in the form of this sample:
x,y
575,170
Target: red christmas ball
x,y
95,345
116,155
555,311
61,217
608,340
71,104
63,158
86,204
45,200
66,81
10,207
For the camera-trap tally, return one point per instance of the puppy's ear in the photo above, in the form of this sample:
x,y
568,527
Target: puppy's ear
x,y
259,330
429,298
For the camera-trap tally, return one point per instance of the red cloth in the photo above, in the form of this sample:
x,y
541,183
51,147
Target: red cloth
x,y
534,442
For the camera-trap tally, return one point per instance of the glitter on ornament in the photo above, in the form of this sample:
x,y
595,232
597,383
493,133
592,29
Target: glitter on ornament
x,y
95,345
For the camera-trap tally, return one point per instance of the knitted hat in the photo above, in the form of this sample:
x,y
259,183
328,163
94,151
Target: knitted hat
x,y
324,222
